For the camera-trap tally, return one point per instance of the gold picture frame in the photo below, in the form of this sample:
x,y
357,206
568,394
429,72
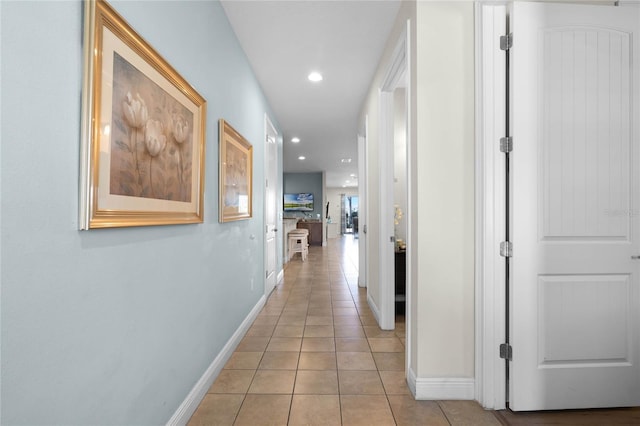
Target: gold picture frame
x,y
236,175
143,131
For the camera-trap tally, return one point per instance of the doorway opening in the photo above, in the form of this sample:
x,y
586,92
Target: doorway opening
x,y
349,220
394,187
364,250
400,198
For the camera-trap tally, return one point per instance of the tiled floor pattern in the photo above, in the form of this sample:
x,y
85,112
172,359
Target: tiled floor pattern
x,y
595,417
315,356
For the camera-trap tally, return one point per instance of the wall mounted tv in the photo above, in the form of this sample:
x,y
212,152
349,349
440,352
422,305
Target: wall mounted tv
x,y
302,202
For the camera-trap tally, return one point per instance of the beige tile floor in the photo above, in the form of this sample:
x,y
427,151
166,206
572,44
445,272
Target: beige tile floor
x,y
315,356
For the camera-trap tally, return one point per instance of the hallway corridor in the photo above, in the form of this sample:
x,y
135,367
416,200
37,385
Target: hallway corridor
x,y
315,356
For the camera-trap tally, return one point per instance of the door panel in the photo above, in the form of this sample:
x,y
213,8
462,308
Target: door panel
x,y
583,319
271,207
585,128
575,288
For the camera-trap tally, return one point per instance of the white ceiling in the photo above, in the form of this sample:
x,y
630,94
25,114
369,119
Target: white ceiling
x,y
343,40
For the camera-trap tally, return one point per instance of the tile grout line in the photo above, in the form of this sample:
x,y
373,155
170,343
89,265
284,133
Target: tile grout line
x,y
320,284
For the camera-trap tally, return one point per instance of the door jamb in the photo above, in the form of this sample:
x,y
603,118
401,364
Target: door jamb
x,y
269,129
398,70
490,205
363,202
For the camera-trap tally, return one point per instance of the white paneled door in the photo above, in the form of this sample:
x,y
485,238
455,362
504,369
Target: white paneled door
x,y
575,215
271,206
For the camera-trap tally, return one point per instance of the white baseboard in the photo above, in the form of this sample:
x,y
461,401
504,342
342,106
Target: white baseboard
x,y
197,394
411,381
374,308
441,388
280,276
462,388
361,282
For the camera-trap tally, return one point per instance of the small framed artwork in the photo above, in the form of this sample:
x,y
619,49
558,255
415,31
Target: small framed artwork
x,y
143,131
236,175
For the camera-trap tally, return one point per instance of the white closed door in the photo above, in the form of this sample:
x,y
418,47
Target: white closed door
x,y
575,297
362,210
271,207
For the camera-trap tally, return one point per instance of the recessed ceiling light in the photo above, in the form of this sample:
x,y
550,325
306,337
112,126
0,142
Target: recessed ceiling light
x,y
295,140
315,77
352,175
302,157
346,160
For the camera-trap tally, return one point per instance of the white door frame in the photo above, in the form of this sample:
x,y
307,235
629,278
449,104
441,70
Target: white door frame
x,y
363,203
270,131
490,206
398,72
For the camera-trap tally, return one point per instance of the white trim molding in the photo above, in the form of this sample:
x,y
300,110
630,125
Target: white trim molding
x,y
411,381
197,394
280,276
490,205
374,308
395,77
441,388
457,388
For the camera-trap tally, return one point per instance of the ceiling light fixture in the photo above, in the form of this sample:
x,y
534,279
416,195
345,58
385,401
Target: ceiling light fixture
x,y
295,140
346,160
315,77
302,157
352,175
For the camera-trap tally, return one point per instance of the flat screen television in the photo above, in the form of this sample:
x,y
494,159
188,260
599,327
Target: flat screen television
x,y
301,202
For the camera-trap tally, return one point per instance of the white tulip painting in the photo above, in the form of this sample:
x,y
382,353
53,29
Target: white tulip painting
x,y
143,137
150,157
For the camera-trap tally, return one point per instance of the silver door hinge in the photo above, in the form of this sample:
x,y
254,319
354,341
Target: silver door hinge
x,y
506,42
506,352
506,249
506,144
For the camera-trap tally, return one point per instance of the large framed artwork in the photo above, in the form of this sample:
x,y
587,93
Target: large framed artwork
x,y
236,175
143,131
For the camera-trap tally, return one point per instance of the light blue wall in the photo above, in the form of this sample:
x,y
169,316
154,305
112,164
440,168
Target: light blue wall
x,y
114,326
306,182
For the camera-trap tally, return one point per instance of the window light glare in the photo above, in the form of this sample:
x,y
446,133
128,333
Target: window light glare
x,y
295,139
315,77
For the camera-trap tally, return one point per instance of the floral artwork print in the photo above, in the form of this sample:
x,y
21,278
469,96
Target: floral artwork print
x,y
151,149
236,174
236,178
